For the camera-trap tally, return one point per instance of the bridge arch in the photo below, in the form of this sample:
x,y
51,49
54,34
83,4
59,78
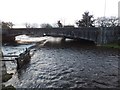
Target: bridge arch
x,y
98,35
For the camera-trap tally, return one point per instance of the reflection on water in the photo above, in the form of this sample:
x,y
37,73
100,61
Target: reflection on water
x,y
69,64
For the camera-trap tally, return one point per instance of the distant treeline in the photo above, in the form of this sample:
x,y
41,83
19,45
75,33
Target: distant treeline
x,y
86,21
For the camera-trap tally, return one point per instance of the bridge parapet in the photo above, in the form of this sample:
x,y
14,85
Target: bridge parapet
x,y
80,33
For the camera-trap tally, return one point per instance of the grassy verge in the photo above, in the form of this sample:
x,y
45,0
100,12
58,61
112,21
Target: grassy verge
x,y
10,87
112,45
6,77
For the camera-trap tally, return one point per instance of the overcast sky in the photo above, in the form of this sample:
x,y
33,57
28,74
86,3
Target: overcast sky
x,y
50,11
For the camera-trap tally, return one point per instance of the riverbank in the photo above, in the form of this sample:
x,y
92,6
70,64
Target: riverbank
x,y
112,45
5,78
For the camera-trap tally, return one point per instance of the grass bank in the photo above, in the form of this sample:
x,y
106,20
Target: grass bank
x,y
9,87
112,45
5,78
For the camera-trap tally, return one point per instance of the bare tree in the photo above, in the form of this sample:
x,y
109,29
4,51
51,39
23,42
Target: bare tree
x,y
119,21
107,22
6,25
27,25
46,25
11,24
0,24
34,25
101,21
113,21
55,25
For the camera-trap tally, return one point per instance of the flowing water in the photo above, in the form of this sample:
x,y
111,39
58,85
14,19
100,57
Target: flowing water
x,y
69,64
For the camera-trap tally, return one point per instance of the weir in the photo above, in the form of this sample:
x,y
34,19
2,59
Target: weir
x,y
100,35
21,60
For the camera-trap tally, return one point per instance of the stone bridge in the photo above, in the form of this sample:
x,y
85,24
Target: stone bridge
x,y
98,35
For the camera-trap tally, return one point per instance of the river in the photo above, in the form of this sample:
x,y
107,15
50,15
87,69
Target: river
x,y
69,64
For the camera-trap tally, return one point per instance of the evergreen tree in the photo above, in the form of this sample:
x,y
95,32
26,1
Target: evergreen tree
x,y
86,21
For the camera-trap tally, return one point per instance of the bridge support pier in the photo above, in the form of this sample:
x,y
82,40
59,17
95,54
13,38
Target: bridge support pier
x,y
101,37
8,39
63,39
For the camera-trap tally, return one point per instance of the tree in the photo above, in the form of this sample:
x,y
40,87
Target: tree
x,y
46,25
10,24
113,21
6,25
55,25
107,21
101,21
27,25
119,21
86,21
59,24
34,25
0,24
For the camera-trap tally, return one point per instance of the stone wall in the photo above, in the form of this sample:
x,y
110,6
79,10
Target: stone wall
x,y
110,34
